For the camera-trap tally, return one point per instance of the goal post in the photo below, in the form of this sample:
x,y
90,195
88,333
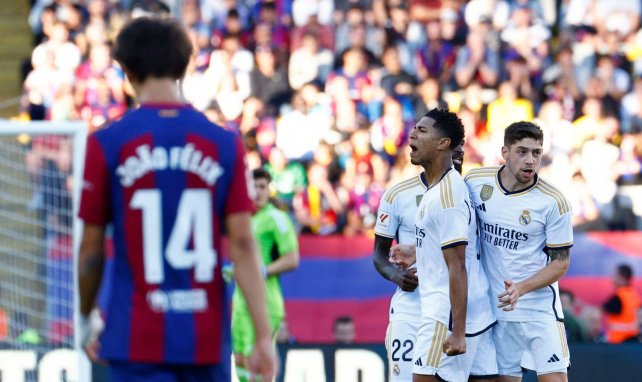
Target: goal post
x,y
41,165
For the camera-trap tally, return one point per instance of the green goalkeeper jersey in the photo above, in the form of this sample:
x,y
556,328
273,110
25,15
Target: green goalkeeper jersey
x,y
275,236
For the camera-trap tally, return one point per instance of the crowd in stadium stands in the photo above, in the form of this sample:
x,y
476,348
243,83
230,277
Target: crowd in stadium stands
x,y
324,93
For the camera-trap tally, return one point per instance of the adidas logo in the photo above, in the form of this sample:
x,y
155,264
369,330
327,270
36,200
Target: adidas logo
x,y
418,362
481,207
554,358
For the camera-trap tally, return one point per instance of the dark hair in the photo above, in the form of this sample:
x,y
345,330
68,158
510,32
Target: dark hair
x,y
153,47
261,173
342,320
625,271
447,123
517,131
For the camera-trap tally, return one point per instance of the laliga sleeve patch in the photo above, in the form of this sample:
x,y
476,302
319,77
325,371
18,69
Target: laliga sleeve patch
x,y
383,220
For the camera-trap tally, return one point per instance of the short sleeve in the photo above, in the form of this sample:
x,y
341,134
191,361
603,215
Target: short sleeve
x,y
238,196
453,226
453,215
387,218
285,235
95,200
559,227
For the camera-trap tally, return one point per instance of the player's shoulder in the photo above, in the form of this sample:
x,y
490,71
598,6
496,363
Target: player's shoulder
x,y
451,189
278,218
551,194
480,173
408,185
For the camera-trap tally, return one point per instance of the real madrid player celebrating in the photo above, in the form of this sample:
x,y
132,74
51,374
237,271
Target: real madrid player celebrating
x,y
526,235
396,221
453,340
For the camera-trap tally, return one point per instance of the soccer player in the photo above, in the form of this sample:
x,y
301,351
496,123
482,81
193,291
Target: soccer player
x,y
279,253
167,181
396,220
526,236
451,278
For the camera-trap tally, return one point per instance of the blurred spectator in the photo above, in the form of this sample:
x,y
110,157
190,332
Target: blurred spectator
x,y
390,131
269,80
619,16
599,158
586,213
527,37
309,62
506,109
476,61
631,111
318,208
496,12
364,159
591,316
355,31
312,17
575,331
288,178
396,82
232,59
621,309
297,134
428,97
283,336
305,75
343,330
437,58
616,80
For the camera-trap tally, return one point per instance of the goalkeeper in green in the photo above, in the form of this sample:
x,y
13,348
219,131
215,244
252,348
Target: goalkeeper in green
x,y
279,249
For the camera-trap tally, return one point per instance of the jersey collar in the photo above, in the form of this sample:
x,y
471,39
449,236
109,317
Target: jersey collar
x,y
440,179
506,192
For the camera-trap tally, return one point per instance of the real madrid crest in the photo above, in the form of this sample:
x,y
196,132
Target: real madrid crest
x,y
421,212
395,370
486,192
525,218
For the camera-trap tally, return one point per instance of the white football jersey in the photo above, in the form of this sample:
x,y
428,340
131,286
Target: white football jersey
x,y
516,228
446,218
396,220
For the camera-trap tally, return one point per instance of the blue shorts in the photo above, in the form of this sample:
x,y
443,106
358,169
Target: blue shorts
x,y
149,372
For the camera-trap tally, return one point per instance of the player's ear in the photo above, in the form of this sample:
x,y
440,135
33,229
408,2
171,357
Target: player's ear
x,y
505,151
444,144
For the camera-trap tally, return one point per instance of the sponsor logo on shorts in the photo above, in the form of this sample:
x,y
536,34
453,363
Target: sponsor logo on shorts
x,y
553,359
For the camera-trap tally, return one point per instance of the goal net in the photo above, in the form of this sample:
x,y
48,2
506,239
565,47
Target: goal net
x,y
40,172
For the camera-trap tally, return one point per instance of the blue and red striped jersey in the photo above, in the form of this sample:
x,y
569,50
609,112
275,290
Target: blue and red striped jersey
x,y
165,178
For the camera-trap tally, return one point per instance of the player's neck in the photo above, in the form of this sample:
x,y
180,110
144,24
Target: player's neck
x,y
437,168
511,183
157,90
